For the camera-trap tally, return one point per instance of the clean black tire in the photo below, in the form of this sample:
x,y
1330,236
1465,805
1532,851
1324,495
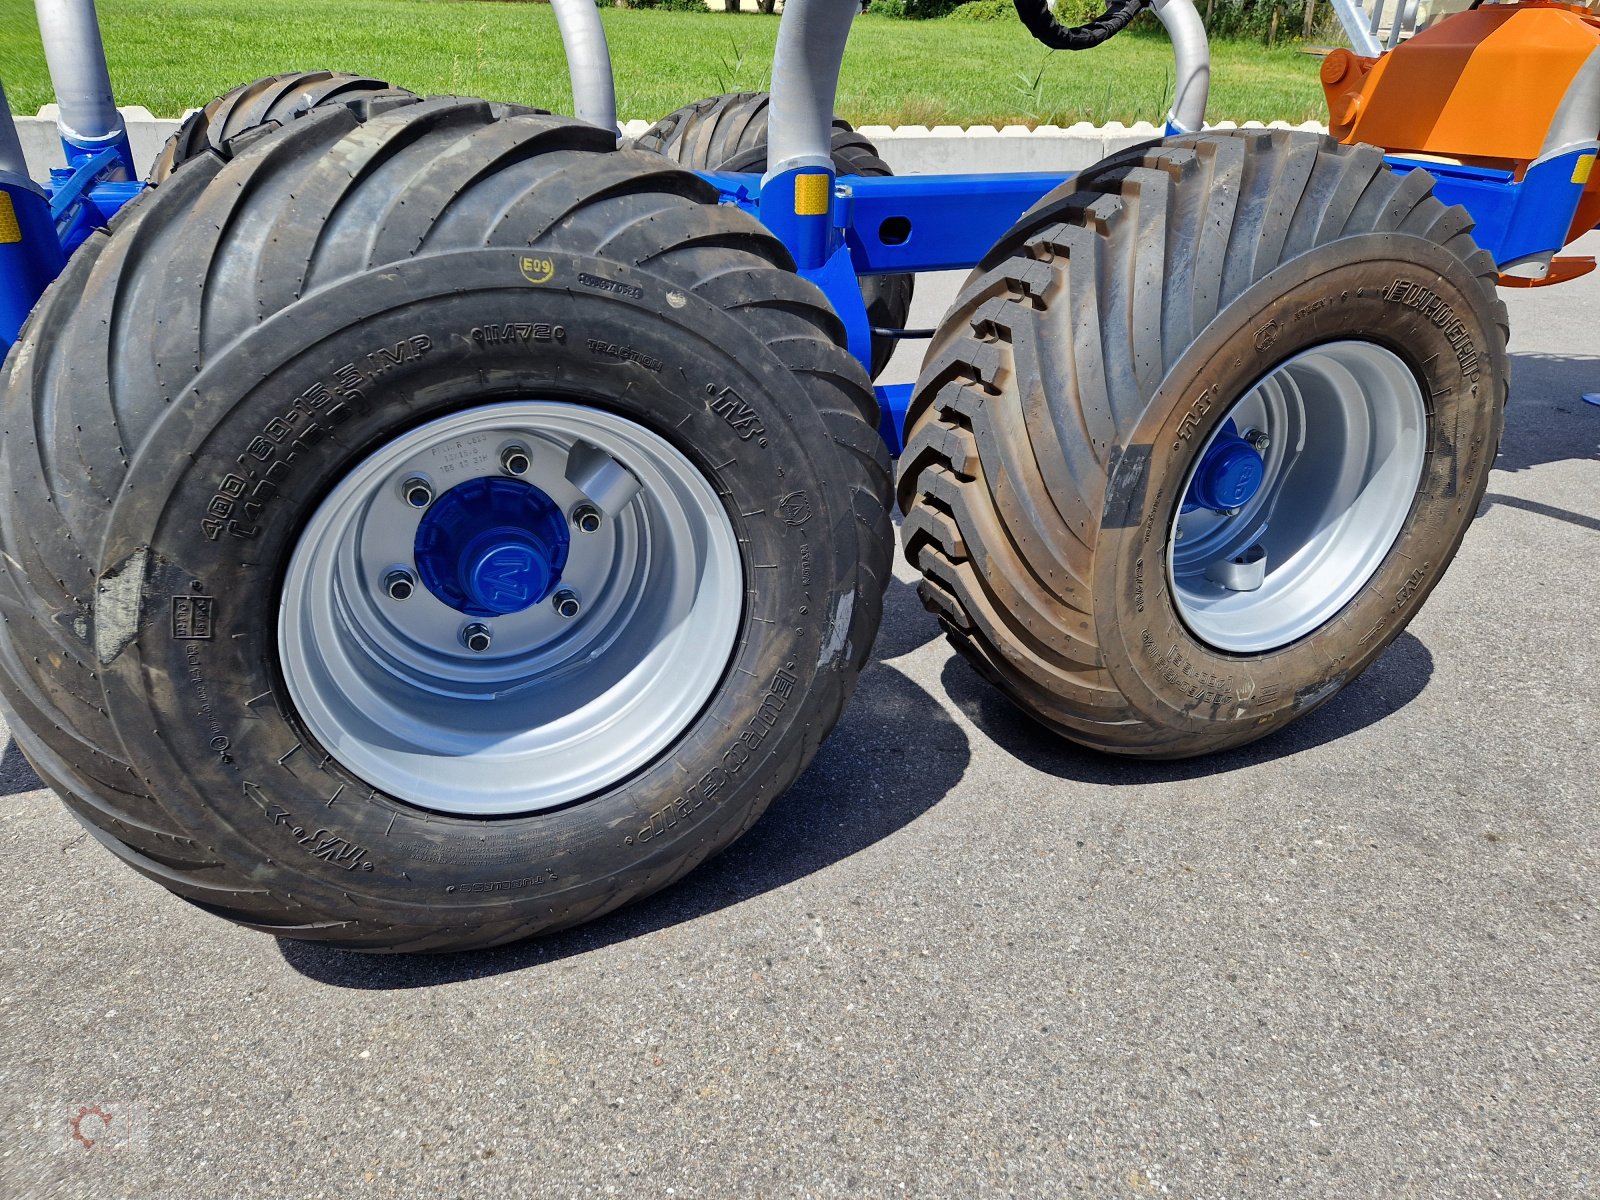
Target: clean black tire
x,y
729,133
133,484
264,105
1099,345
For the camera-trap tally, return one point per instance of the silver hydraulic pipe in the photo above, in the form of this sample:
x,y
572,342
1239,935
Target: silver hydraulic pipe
x,y
594,94
1192,54
805,79
1363,40
77,61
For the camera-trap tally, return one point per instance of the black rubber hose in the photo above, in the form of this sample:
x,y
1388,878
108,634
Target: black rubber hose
x,y
1042,23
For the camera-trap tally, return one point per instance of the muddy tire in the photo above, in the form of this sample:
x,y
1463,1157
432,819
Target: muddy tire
x,y
1201,434
554,385
729,133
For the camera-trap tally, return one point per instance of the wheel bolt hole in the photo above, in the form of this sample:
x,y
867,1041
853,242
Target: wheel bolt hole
x,y
418,492
567,603
476,637
587,518
399,585
515,460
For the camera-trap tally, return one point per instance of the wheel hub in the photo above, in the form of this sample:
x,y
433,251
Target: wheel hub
x,y
492,546
1229,475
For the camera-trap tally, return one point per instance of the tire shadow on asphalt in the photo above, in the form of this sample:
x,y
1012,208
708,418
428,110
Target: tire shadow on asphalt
x,y
1388,685
1547,420
16,772
895,754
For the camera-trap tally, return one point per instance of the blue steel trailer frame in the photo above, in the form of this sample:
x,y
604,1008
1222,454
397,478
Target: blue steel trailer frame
x,y
837,230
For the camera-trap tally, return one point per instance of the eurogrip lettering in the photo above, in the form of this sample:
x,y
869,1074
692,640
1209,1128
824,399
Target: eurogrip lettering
x,y
1443,317
734,760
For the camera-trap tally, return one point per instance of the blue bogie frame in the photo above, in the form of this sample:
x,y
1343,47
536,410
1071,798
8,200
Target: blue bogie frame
x,y
837,230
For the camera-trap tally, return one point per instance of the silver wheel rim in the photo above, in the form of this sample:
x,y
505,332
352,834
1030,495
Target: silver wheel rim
x,y
1345,428
559,707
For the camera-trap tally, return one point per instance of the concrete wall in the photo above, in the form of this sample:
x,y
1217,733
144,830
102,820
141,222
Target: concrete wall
x,y
908,149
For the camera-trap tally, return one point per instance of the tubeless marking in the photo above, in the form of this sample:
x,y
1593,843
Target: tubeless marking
x,y
1191,419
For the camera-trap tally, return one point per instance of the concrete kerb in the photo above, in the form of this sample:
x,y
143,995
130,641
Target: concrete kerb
x,y
908,149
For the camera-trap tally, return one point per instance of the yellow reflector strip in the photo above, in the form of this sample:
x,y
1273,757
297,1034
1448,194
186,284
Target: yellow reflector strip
x,y
10,231
1582,168
810,195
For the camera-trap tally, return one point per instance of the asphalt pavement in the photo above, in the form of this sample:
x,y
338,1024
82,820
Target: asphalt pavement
x,y
1359,958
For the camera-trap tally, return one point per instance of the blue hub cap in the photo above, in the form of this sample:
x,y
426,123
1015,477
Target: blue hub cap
x,y
1228,476
493,546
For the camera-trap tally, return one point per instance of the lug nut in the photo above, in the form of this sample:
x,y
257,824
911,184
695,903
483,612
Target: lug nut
x,y
567,603
476,637
1258,439
399,584
514,459
417,491
586,517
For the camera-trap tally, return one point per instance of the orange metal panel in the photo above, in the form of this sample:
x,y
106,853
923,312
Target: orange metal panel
x,y
1477,86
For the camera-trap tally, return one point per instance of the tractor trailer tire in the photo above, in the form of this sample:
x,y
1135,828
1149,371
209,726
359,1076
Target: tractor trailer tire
x,y
729,133
265,105
1200,436
489,532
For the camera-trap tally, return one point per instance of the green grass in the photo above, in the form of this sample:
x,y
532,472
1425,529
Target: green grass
x,y
170,56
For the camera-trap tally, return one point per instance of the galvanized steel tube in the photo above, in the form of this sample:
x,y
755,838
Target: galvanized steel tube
x,y
77,61
594,95
1192,52
805,78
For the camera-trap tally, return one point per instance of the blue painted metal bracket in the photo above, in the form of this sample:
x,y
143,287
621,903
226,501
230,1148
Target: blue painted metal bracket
x,y
78,152
894,401
1515,218
905,223
87,194
37,234
896,223
30,254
